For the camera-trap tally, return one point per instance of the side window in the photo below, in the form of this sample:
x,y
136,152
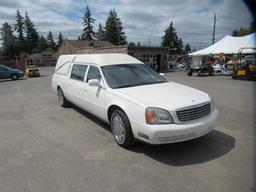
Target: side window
x,y
3,68
93,73
78,72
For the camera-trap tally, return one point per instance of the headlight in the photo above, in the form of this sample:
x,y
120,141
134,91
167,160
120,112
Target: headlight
x,y
212,104
157,116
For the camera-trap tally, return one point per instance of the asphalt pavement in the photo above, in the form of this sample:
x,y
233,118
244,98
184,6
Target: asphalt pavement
x,y
46,148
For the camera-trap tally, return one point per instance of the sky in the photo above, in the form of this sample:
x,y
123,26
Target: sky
x,y
144,21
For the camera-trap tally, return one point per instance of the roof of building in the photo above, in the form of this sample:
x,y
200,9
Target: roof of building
x,y
83,43
99,59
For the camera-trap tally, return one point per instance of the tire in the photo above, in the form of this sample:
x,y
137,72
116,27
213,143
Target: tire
x,y
121,129
14,76
199,73
190,73
61,98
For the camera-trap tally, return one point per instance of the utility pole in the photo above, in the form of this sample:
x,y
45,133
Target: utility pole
x,y
214,25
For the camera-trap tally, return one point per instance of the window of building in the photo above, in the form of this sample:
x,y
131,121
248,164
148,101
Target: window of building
x,y
147,58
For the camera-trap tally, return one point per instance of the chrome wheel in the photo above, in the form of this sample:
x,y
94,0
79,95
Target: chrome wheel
x,y
118,128
60,97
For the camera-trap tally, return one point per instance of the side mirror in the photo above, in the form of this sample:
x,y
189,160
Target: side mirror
x,y
94,82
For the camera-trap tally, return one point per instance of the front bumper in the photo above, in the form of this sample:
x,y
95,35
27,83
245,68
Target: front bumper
x,y
33,74
21,75
171,133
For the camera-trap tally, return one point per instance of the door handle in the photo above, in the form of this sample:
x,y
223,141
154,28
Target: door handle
x,y
85,89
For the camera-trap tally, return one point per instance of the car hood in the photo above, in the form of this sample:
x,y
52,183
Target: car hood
x,y
170,95
16,70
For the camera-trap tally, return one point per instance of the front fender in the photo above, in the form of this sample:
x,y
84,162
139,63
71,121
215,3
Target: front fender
x,y
133,111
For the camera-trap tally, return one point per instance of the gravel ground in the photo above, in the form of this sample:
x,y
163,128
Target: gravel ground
x,y
44,147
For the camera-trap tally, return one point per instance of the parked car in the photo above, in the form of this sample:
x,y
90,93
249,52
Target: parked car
x,y
181,66
217,68
137,102
200,69
32,71
9,73
172,67
227,72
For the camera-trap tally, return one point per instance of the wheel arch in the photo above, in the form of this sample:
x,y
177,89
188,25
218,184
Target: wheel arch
x,y
14,73
112,108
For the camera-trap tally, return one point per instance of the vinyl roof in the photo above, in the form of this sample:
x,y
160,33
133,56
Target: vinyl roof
x,y
99,59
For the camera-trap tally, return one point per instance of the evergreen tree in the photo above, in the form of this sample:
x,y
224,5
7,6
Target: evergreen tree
x,y
19,27
9,42
60,40
42,44
187,48
31,35
50,42
132,44
243,31
253,25
87,23
138,44
180,45
114,31
235,33
171,40
121,33
100,33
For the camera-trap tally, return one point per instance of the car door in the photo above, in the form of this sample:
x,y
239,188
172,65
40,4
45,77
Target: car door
x,y
95,96
4,73
76,85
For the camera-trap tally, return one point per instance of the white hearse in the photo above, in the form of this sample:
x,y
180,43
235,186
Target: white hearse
x,y
137,102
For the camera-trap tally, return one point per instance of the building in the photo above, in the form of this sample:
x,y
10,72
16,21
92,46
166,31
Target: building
x,y
155,57
73,46
44,59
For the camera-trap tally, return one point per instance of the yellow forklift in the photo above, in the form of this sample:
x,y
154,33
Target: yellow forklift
x,y
245,67
31,68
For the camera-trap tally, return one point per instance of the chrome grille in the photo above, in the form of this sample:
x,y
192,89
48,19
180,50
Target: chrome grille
x,y
193,112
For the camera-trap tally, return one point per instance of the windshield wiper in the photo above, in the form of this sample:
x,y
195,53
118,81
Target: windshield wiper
x,y
124,86
139,84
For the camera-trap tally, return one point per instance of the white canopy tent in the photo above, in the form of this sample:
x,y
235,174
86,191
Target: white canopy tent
x,y
229,45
